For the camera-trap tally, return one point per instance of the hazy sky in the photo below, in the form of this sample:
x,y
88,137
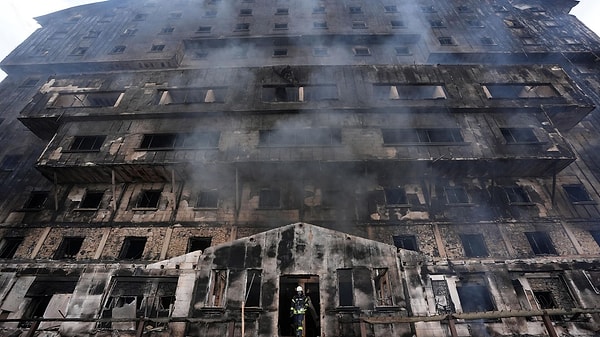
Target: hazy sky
x,y
16,18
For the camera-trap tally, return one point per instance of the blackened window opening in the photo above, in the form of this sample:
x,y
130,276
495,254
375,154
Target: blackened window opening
x,y
517,195
149,199
253,286
198,243
474,245
207,199
576,193
269,198
345,287
300,137
91,199
475,298
133,248
9,246
169,141
413,136
36,200
10,162
69,248
596,235
395,196
456,195
540,243
406,242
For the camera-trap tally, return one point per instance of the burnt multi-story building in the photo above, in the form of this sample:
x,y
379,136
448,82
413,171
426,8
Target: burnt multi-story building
x,y
421,168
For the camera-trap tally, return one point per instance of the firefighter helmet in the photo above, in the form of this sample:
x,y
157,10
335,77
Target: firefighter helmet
x,y
299,289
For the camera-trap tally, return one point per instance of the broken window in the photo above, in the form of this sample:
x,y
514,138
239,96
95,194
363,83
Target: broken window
x,y
9,246
87,100
133,248
395,196
47,297
170,141
134,297
218,285
10,162
412,136
269,198
577,193
441,293
157,48
192,95
383,289
475,298
91,200
517,195
282,11
362,51
207,199
514,91
446,40
408,242
456,195
473,245
36,200
87,143
129,32
345,287
540,243
253,284
300,137
69,247
550,293
148,199
198,243
409,91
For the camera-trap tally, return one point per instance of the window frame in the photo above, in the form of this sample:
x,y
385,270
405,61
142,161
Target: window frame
x,y
581,197
345,278
269,198
516,90
96,194
300,137
148,200
474,245
421,136
519,136
207,195
455,199
401,240
9,245
36,196
126,254
65,247
517,196
541,243
382,287
86,143
180,141
204,241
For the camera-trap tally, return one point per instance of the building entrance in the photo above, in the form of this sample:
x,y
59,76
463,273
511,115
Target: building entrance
x,y
287,290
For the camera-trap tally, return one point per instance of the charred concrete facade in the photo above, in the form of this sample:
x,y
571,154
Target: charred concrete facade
x,y
421,168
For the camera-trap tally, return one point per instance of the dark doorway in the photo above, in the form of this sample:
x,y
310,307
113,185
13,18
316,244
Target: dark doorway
x,y
287,290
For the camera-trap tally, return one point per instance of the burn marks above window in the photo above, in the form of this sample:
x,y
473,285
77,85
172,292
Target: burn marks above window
x,y
519,90
207,199
36,200
86,100
171,141
91,200
300,137
417,136
290,93
148,199
409,91
269,198
192,95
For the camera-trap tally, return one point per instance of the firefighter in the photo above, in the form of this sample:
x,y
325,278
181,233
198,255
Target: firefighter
x,y
300,304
